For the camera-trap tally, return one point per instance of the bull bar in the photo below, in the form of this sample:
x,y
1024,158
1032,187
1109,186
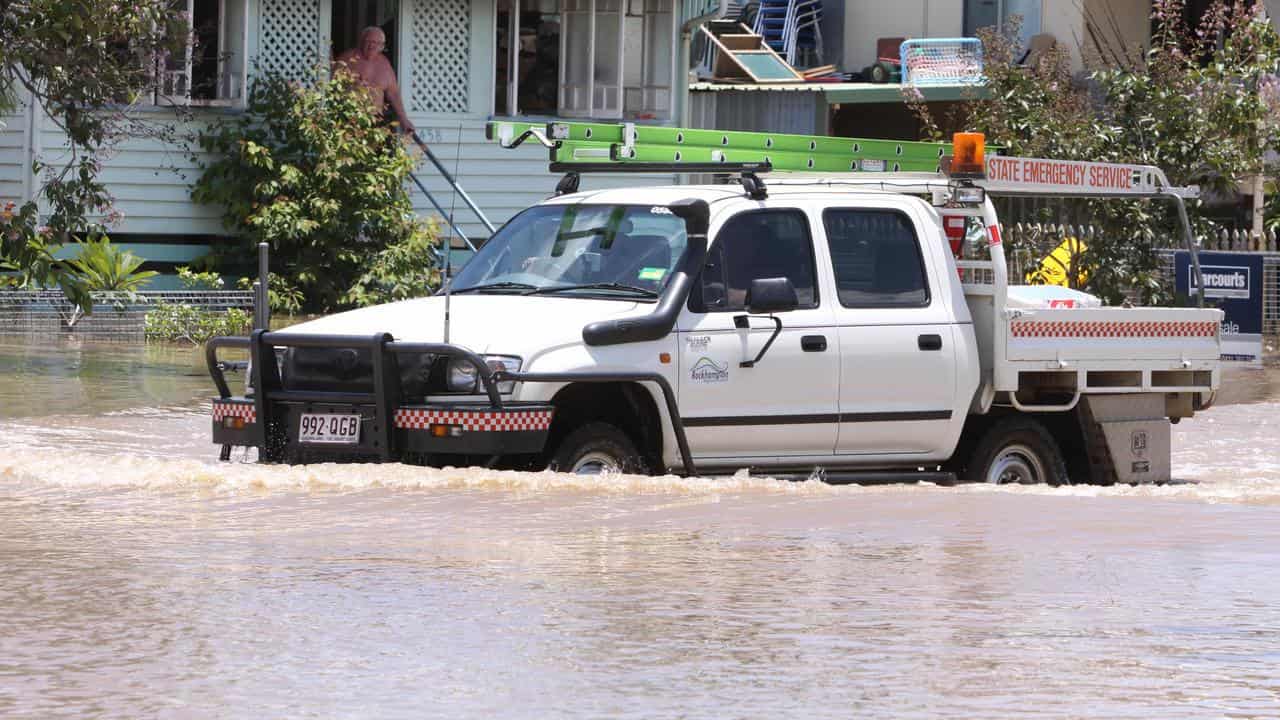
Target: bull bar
x,y
269,404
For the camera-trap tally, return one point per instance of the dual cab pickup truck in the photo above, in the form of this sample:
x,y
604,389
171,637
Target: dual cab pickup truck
x,y
813,324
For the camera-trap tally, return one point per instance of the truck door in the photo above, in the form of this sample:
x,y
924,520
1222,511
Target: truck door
x,y
785,405
897,348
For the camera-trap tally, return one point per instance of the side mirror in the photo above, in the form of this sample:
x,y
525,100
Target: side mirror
x,y
771,295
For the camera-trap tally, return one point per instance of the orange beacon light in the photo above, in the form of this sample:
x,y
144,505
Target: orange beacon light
x,y
968,161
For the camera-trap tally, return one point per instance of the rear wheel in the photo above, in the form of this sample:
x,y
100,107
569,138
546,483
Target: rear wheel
x,y
1017,450
596,448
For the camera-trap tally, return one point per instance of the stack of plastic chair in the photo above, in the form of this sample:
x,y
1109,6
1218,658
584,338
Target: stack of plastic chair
x,y
771,24
790,27
804,43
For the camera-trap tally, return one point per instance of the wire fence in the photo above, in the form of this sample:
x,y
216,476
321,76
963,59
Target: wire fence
x,y
44,315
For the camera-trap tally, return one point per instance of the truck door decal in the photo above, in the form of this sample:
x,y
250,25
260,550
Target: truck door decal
x,y
706,370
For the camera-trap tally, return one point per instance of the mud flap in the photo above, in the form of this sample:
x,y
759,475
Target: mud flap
x,y
1127,437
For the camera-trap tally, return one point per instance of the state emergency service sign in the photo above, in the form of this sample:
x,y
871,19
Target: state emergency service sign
x,y
1232,283
1067,177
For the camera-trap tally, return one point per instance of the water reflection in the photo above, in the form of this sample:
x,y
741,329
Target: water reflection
x,y
87,378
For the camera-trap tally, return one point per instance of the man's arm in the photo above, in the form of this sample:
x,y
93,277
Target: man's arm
x,y
392,89
393,97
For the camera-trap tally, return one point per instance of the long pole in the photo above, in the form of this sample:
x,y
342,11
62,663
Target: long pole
x,y
262,316
1190,241
456,187
448,247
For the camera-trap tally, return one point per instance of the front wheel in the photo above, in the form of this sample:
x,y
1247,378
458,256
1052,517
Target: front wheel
x,y
1017,450
596,448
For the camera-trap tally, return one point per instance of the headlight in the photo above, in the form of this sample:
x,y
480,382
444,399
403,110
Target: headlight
x,y
462,374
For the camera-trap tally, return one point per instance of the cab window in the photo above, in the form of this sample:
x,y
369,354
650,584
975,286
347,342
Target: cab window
x,y
757,244
876,259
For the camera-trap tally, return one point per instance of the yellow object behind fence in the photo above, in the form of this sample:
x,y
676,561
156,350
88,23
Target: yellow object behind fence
x,y
1055,268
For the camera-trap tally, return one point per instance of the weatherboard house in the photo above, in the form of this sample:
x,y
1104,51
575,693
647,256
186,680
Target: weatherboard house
x,y
461,63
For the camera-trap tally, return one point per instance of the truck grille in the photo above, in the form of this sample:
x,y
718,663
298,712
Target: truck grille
x,y
351,370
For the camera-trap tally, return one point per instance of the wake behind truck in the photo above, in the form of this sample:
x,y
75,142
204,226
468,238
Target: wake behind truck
x,y
858,323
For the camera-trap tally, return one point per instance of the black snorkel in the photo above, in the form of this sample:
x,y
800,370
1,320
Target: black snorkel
x,y
657,324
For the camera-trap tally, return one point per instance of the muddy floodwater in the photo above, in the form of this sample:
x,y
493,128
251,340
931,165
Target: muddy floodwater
x,y
139,578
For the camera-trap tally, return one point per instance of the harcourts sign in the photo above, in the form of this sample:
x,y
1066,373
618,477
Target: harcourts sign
x,y
1233,283
1222,282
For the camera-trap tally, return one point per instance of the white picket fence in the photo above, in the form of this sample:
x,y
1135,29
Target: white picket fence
x,y
1243,241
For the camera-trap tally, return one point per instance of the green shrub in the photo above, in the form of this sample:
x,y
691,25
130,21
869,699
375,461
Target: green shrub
x,y
196,280
397,272
281,296
311,170
103,267
184,323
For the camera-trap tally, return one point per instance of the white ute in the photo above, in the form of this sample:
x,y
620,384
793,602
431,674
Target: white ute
x,y
818,323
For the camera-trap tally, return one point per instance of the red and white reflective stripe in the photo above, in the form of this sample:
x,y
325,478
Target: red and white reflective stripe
x,y
1154,329
475,420
222,410
993,232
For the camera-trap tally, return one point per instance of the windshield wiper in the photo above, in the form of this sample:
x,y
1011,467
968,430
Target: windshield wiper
x,y
596,286
497,286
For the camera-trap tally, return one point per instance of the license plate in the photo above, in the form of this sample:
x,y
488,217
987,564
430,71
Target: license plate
x,y
329,428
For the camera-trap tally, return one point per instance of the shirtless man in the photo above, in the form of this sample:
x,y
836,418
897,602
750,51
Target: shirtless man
x,y
368,64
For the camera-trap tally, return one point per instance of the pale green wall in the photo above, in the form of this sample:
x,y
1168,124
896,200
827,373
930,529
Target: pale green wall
x,y
13,167
150,180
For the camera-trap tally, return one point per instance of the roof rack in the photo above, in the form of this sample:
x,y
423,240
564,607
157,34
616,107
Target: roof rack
x,y
627,147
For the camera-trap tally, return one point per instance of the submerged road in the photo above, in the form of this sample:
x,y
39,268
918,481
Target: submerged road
x,y
140,578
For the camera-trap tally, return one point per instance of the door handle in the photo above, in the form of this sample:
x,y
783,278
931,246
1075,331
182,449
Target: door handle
x,y
813,343
929,342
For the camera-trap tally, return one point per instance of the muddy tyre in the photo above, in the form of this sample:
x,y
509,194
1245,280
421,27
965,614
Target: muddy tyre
x,y
1017,450
596,448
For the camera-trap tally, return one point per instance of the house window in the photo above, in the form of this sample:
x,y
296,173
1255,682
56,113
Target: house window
x,y
980,14
606,59
528,57
209,69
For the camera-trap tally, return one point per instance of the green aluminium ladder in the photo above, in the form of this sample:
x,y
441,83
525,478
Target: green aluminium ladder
x,y
619,147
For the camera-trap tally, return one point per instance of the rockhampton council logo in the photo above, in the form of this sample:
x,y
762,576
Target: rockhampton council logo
x,y
705,370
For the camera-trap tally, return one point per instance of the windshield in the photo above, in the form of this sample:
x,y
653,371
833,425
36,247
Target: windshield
x,y
608,250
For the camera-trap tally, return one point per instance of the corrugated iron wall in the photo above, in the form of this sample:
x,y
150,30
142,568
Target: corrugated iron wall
x,y
792,112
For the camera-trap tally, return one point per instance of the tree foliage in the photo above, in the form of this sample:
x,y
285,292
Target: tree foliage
x,y
85,63
312,171
1201,103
